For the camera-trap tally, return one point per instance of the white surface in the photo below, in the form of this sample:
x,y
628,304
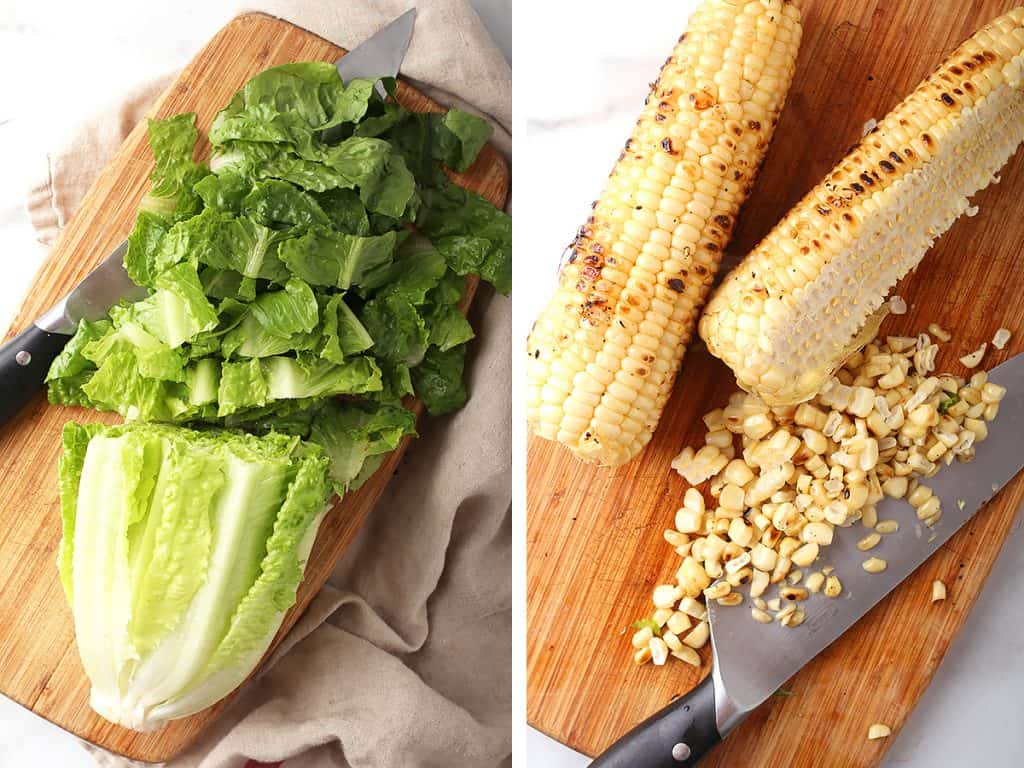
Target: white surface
x,y
575,125
40,96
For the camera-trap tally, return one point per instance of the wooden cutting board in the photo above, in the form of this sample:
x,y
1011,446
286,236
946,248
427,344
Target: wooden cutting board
x,y
39,666
594,536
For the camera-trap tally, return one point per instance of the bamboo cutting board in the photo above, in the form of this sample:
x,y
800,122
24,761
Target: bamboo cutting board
x,y
39,666
594,536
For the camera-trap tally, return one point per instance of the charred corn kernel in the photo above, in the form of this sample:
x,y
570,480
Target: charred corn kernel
x,y
805,555
833,587
603,355
740,577
815,582
642,656
698,636
869,542
688,655
793,593
874,565
938,591
814,289
879,731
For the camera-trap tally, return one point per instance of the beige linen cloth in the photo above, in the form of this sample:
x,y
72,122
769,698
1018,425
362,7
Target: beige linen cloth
x,y
404,660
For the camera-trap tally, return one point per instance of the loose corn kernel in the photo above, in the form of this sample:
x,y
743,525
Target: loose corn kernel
x,y
887,526
759,582
815,582
688,655
698,636
731,599
642,656
641,637
678,623
817,533
666,595
874,565
761,616
659,651
692,608
868,542
806,554
833,587
938,591
879,731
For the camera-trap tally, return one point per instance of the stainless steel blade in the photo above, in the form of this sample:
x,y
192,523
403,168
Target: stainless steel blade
x,y
752,660
382,54
92,298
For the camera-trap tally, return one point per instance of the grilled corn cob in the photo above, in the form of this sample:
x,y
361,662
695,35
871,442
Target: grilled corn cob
x,y
786,318
604,354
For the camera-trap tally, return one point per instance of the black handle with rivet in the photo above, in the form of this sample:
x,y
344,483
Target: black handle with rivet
x,y
676,737
24,361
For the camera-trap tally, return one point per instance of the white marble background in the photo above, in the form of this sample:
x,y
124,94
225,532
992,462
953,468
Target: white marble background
x,y
59,61
580,82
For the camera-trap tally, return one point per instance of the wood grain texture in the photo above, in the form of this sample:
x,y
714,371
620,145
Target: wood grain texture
x,y
594,536
39,666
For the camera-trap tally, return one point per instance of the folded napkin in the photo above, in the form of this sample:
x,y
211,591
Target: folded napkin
x,y
404,659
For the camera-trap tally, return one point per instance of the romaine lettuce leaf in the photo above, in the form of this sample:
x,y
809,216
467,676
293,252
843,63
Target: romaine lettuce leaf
x,y
287,312
473,235
325,257
278,204
350,433
398,332
343,334
438,380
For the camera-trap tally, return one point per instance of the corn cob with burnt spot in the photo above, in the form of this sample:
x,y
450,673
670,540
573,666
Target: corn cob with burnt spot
x,y
605,352
788,316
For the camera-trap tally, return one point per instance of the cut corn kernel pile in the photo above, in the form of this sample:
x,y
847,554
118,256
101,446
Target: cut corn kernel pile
x,y
603,355
814,288
783,480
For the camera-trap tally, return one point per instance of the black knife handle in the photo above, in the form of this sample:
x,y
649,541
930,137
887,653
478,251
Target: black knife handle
x,y
24,361
676,737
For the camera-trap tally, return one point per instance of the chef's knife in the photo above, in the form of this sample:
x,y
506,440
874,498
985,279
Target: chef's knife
x,y
25,359
751,660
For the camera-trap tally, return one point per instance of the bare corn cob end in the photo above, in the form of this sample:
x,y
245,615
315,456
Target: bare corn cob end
x,y
814,289
605,352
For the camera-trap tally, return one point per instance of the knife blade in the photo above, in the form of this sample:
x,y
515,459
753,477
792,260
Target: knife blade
x,y
751,660
26,358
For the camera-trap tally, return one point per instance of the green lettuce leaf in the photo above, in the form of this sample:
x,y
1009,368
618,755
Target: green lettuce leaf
x,y
343,334
288,312
71,369
278,204
327,258
173,141
223,193
142,260
473,235
438,380
398,332
350,433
